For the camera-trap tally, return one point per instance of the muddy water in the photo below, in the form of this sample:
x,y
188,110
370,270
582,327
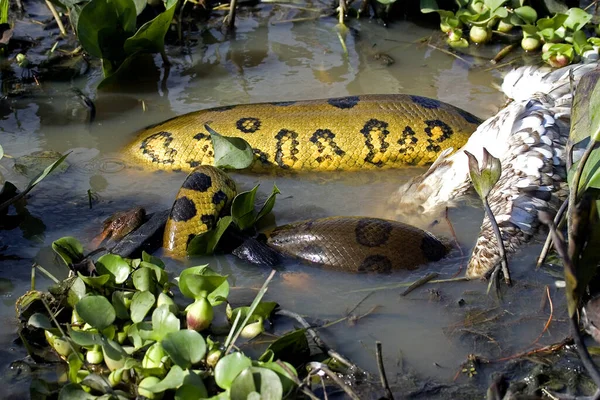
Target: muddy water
x,y
426,333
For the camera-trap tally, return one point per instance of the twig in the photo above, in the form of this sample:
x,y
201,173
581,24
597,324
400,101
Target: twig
x,y
449,53
504,262
318,341
549,318
549,348
381,368
229,21
420,282
453,233
502,53
333,376
406,284
297,381
61,27
548,242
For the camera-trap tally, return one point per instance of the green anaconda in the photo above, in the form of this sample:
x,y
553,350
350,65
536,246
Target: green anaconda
x,y
349,133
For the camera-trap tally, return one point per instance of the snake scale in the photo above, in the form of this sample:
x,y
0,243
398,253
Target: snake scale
x,y
348,133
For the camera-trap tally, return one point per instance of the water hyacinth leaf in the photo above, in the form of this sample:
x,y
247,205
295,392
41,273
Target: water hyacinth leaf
x,y
263,310
141,304
291,347
287,381
197,286
96,311
580,43
164,322
97,383
257,380
41,321
217,295
485,178
527,14
115,266
150,38
143,279
139,6
185,347
85,338
230,152
97,282
114,354
118,301
192,388
429,6
242,209
172,380
585,120
206,243
269,204
159,273
494,4
69,250
73,391
75,362
229,367
76,291
577,18
149,258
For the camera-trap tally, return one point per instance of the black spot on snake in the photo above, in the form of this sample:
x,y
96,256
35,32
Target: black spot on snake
x,y
248,125
219,197
408,139
432,248
372,233
209,220
283,137
197,181
322,136
167,155
193,163
262,157
201,136
222,108
283,103
344,102
375,129
375,263
183,210
426,102
437,131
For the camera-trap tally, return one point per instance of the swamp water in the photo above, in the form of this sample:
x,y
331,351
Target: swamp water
x,y
428,333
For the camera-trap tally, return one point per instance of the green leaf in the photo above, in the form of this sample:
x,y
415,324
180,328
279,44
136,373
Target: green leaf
x,y
118,301
159,273
41,321
257,380
46,172
75,362
197,286
172,380
140,5
185,347
217,295
229,367
268,205
577,18
72,391
149,258
242,209
527,14
287,382
429,6
580,43
144,279
493,5
96,311
485,178
77,291
150,38
69,249
230,152
97,282
96,383
141,304
263,310
115,266
206,243
291,347
85,338
192,388
163,323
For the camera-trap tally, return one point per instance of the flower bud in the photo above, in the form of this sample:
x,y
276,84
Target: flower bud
x,y
199,315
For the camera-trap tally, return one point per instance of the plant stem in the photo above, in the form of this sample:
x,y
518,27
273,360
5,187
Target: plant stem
x,y
548,242
490,214
381,368
61,27
575,184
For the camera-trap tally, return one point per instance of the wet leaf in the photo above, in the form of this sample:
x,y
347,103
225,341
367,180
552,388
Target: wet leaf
x,y
46,172
576,19
287,382
41,321
118,302
77,291
527,14
85,338
97,282
141,304
485,178
163,323
150,38
72,391
172,380
217,295
268,205
229,367
242,209
256,380
206,243
143,279
69,249
197,286
160,275
192,388
115,266
263,310
230,152
97,383
96,311
291,347
185,347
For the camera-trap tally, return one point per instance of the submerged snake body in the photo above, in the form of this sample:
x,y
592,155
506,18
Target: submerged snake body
x,y
205,193
348,133
529,136
356,244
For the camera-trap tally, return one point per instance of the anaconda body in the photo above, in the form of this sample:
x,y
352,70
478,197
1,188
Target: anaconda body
x,y
348,133
357,244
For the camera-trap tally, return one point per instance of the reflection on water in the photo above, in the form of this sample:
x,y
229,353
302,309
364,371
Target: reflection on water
x,y
424,332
